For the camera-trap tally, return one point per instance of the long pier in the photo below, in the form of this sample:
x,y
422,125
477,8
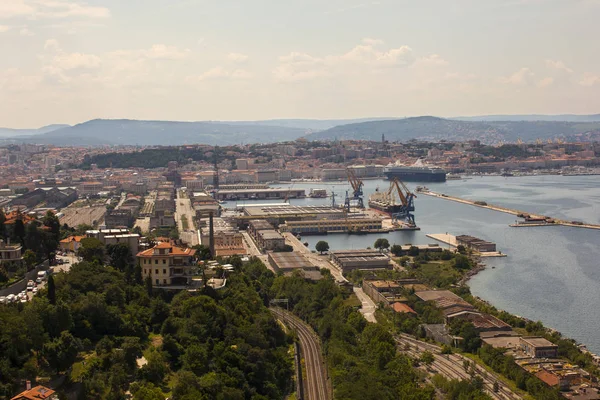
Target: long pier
x,y
510,211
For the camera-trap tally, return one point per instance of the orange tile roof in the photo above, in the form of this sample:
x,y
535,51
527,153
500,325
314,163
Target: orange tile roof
x,y
402,308
72,238
12,217
37,393
173,251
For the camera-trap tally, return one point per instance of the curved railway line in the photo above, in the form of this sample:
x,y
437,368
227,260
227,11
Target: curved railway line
x,y
317,386
451,367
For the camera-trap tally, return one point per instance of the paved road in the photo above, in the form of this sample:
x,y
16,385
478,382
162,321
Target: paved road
x,y
368,305
183,207
321,261
451,366
316,383
254,251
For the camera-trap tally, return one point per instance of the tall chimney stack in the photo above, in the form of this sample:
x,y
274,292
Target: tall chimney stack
x,y
211,227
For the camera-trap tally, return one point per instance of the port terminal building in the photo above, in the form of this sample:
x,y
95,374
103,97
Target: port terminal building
x,y
320,226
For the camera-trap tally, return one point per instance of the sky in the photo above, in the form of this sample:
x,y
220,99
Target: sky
x,y
65,61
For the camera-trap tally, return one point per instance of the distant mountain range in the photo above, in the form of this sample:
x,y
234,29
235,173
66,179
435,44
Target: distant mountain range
x,y
488,129
101,132
433,128
9,132
533,117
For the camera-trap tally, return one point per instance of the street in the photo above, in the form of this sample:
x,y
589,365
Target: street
x,y
321,261
368,306
185,217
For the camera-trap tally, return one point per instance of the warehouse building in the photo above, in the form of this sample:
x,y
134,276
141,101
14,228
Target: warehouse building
x,y
336,225
288,262
476,244
349,260
538,347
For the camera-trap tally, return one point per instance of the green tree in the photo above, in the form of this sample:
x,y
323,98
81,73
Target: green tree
x,y
396,250
461,249
52,222
382,244
33,238
19,229
138,274
2,226
30,259
61,352
427,358
91,249
51,290
322,246
413,251
119,256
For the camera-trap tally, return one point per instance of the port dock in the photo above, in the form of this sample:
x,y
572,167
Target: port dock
x,y
480,247
483,204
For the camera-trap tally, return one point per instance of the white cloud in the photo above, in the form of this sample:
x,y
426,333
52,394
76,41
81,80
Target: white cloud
x,y
522,77
548,81
164,52
589,80
14,80
220,73
38,9
558,65
15,8
366,57
237,57
71,61
431,60
26,32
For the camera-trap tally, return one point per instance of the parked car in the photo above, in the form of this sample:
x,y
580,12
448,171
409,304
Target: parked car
x,y
11,298
35,290
3,300
39,280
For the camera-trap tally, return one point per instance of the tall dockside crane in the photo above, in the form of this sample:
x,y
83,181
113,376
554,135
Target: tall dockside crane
x,y
357,193
402,211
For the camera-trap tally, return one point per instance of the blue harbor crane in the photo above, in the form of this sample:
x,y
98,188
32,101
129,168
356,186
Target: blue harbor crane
x,y
357,192
404,210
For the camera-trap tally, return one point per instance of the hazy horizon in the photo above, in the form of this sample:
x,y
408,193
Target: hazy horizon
x,y
197,60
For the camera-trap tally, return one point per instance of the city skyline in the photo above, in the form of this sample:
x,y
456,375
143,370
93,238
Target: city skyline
x,y
71,61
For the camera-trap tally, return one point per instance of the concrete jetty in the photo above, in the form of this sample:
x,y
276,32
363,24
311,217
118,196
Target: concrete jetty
x,y
492,207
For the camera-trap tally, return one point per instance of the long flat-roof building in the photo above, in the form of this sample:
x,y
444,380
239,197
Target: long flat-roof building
x,y
270,239
476,244
349,260
317,226
260,194
288,262
538,347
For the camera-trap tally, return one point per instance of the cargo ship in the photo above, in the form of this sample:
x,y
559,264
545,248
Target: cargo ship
x,y
418,172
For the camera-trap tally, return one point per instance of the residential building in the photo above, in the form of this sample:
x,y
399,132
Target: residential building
x,y
167,264
71,243
116,236
10,253
37,393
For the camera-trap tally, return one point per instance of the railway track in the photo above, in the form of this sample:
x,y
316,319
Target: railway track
x,y
451,366
317,387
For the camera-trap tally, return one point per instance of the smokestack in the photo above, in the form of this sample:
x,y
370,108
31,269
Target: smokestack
x,y
211,237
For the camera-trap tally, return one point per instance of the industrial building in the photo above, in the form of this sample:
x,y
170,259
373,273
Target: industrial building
x,y
320,226
280,213
476,244
383,291
270,239
288,262
260,194
538,347
349,260
257,225
482,322
445,300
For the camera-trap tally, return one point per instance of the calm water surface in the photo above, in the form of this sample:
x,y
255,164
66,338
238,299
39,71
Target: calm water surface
x,y
551,274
